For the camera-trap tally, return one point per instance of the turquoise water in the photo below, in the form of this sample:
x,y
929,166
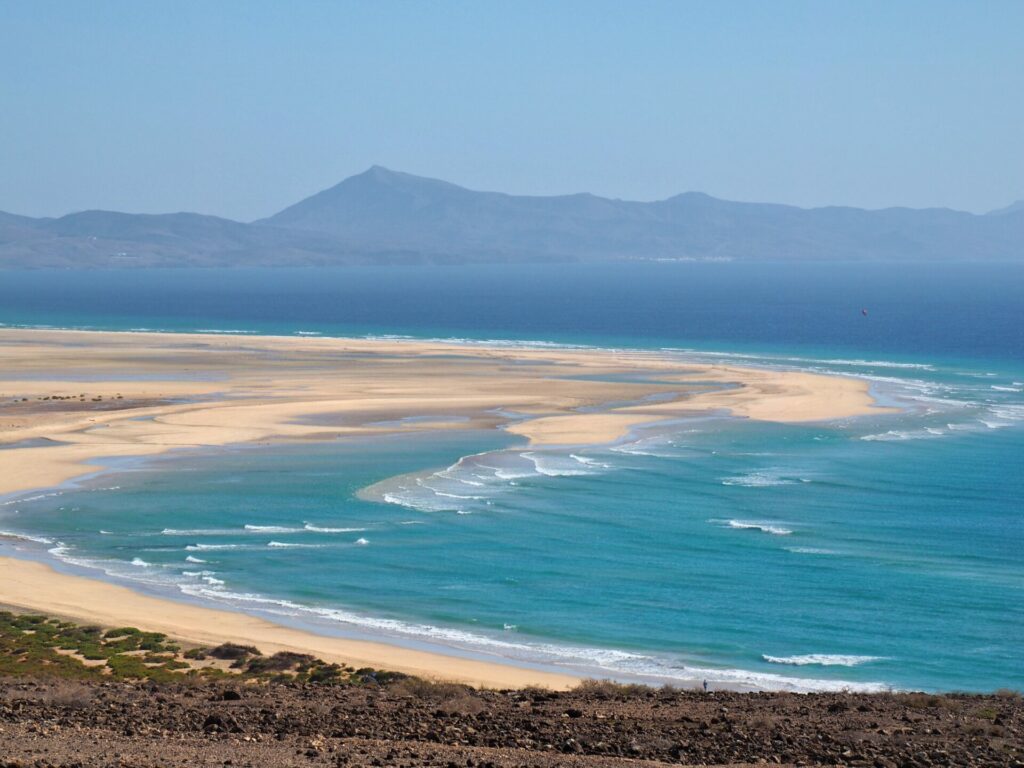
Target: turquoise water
x,y
872,552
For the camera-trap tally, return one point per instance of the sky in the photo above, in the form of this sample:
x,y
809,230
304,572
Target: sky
x,y
240,109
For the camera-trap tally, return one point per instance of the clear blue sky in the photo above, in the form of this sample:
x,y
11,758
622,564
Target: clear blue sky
x,y
241,108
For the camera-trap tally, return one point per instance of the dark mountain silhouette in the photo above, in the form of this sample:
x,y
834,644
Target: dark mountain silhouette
x,y
382,216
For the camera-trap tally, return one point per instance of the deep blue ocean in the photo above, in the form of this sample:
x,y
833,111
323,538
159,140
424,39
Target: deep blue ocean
x,y
881,551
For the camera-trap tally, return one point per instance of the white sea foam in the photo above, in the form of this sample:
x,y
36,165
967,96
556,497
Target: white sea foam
x,y
26,499
206,547
272,529
137,570
961,427
589,462
510,474
419,503
991,424
901,434
878,364
191,559
26,537
755,525
445,494
1006,389
1008,411
199,531
822,659
209,577
468,484
292,545
760,479
321,529
633,449
361,542
553,465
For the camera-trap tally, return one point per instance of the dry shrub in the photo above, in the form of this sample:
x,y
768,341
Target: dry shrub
x,y
282,661
450,698
233,652
607,689
466,704
428,690
69,695
59,693
921,700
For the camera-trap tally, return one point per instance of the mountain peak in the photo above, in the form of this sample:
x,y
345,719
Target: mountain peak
x,y
379,172
379,176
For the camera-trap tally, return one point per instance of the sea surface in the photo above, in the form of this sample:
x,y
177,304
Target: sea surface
x,y
867,553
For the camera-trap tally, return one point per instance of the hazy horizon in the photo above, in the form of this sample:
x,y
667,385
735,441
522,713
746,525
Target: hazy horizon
x,y
238,110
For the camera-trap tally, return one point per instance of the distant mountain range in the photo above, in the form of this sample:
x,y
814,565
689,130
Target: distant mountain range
x,y
382,216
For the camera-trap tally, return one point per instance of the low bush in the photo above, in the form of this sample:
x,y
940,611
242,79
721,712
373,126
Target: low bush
x,y
233,652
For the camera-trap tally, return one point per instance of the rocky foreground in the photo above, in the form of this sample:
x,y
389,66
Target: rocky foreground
x,y
413,723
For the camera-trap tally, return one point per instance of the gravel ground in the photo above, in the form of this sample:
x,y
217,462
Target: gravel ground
x,y
411,723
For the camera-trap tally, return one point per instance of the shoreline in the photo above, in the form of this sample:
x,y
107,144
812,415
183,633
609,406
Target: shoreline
x,y
35,586
248,389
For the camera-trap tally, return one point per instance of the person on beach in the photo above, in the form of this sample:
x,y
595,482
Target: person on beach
x,y
705,686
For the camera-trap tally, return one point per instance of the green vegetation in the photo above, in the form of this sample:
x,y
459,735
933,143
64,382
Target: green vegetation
x,y
37,645
32,645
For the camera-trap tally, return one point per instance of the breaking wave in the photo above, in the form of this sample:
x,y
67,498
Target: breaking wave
x,y
753,525
552,465
474,482
292,545
272,529
25,537
822,659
